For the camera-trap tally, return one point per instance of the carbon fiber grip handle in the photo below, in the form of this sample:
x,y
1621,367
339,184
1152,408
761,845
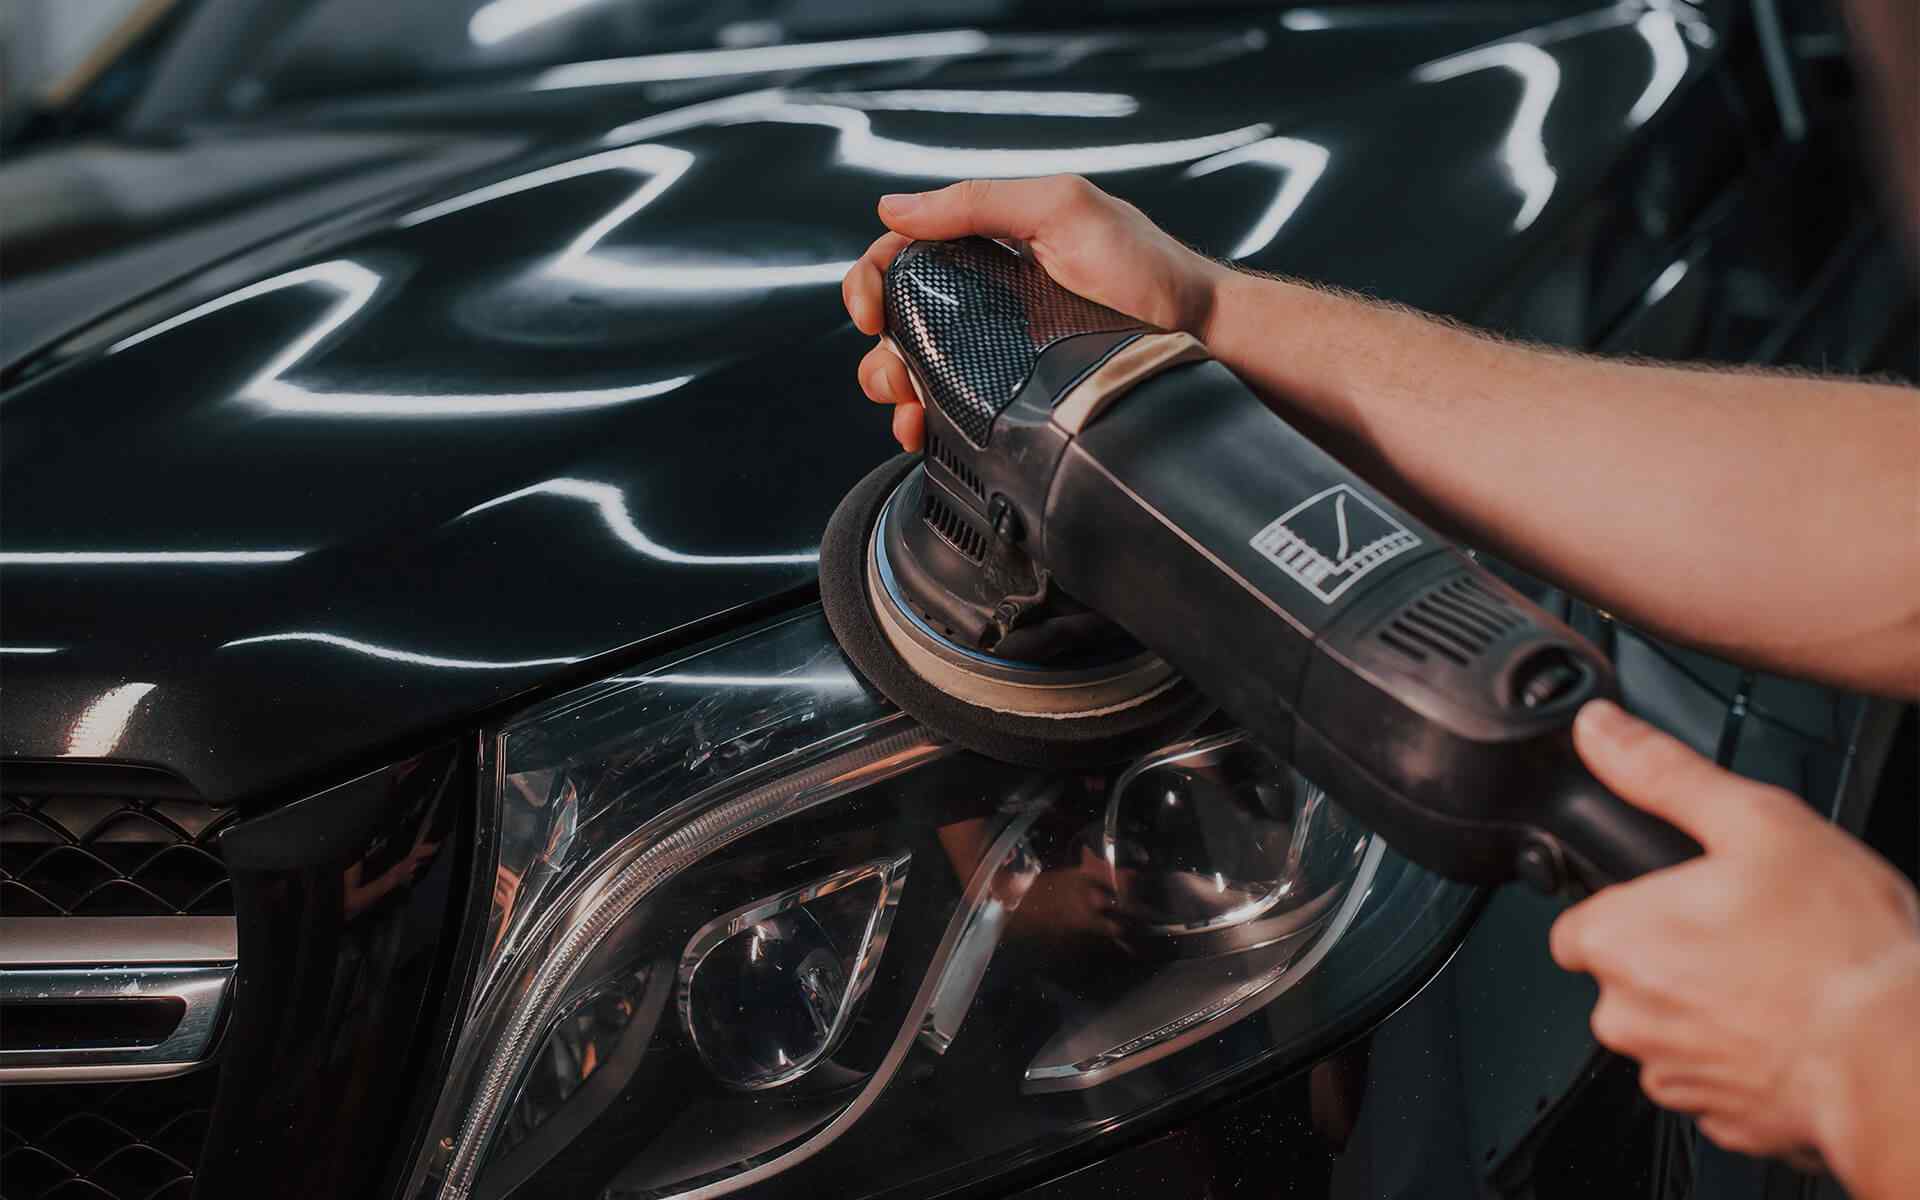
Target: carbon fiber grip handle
x,y
971,319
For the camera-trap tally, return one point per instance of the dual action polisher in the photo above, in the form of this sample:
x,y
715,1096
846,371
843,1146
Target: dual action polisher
x,y
1109,536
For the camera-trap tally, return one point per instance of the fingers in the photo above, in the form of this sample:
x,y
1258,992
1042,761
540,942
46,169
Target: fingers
x,y
883,377
1735,1135
1659,773
910,427
1635,930
861,289
885,248
996,208
1596,934
1017,209
1638,1025
1675,1090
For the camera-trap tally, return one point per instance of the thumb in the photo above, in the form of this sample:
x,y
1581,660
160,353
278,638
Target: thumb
x,y
1659,773
1019,209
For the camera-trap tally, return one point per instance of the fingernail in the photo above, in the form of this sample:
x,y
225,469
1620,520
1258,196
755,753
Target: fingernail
x,y
900,202
1605,720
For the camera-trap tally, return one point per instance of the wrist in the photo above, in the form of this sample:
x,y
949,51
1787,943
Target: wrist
x,y
1864,1087
1233,300
1311,353
1204,297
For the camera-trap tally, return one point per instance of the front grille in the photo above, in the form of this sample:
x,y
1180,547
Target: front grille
x,y
130,1141
110,852
111,856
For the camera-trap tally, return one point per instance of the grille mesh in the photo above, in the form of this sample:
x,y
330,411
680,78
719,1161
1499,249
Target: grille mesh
x,y
130,1141
972,317
100,856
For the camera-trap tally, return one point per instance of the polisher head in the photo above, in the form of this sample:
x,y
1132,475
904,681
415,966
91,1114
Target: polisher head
x,y
1064,689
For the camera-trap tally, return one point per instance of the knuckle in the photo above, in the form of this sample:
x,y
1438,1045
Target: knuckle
x,y
1564,941
1900,894
974,194
1660,1086
1579,940
1078,191
1612,1025
1774,794
1730,1135
1782,807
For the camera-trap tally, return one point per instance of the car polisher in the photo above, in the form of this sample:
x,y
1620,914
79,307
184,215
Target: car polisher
x,y
1109,535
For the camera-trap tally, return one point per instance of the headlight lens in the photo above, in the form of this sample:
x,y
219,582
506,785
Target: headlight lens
x,y
754,929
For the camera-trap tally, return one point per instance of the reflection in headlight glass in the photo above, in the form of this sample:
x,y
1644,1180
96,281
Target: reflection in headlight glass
x,y
768,990
709,970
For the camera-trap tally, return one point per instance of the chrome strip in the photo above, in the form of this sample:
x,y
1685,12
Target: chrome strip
x,y
979,891
983,925
116,941
103,960
202,990
115,1073
633,868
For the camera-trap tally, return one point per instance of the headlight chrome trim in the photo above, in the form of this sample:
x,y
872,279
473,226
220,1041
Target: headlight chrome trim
x,y
639,865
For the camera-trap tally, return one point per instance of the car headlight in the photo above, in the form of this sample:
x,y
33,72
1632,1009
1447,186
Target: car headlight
x,y
752,926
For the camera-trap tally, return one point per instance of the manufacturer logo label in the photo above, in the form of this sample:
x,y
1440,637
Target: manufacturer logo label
x,y
1329,541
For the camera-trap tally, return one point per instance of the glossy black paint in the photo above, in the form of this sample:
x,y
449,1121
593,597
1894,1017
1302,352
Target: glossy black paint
x,y
344,903
134,215
442,458
158,447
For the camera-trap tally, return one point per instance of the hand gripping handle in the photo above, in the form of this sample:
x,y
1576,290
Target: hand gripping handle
x,y
1609,840
970,318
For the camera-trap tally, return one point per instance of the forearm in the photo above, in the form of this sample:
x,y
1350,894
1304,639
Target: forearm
x,y
1771,518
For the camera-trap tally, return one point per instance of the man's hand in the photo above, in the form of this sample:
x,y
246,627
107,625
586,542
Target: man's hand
x,y
1772,987
1102,248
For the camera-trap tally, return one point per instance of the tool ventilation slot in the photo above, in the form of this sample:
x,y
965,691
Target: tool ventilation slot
x,y
1457,620
104,841
941,453
951,527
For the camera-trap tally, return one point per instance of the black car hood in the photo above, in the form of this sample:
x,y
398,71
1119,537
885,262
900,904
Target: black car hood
x,y
388,474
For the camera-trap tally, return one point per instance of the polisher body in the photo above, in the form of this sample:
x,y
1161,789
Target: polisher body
x,y
1093,483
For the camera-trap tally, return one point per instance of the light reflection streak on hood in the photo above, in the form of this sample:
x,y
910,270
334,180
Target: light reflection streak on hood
x,y
986,102
355,286
1301,163
859,146
662,167
1668,69
1524,151
500,20
750,60
114,558
393,654
611,504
